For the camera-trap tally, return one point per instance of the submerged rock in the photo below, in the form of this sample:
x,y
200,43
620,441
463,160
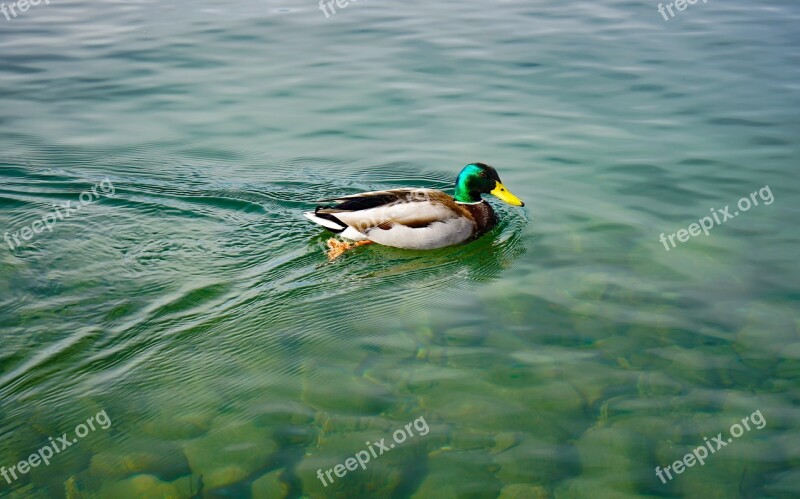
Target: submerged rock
x,y
504,441
323,391
650,428
553,408
283,411
179,426
735,470
15,445
653,384
471,403
510,373
69,462
270,486
381,475
535,461
618,346
231,451
595,487
71,489
140,486
719,478
612,460
553,396
466,335
524,491
331,424
459,474
789,368
785,484
594,381
289,422
767,331
543,363
469,439
159,458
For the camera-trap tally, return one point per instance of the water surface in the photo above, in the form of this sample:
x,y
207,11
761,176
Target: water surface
x,y
565,354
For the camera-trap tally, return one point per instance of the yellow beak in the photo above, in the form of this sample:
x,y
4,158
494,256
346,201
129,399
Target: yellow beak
x,y
505,195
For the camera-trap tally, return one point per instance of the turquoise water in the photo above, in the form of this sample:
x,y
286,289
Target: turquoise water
x,y
565,354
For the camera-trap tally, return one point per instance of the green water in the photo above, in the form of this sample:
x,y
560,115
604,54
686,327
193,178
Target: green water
x,y
566,354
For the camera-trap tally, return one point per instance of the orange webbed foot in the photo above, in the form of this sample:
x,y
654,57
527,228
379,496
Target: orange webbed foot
x,y
336,248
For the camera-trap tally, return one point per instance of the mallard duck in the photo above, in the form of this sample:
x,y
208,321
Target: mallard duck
x,y
415,218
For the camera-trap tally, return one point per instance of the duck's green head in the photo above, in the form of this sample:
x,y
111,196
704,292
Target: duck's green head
x,y
479,178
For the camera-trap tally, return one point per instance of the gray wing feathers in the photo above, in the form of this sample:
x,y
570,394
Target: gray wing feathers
x,y
403,218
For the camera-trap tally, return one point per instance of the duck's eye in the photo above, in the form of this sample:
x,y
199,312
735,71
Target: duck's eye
x,y
483,174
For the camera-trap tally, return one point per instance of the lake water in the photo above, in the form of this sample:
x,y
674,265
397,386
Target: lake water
x,y
183,334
